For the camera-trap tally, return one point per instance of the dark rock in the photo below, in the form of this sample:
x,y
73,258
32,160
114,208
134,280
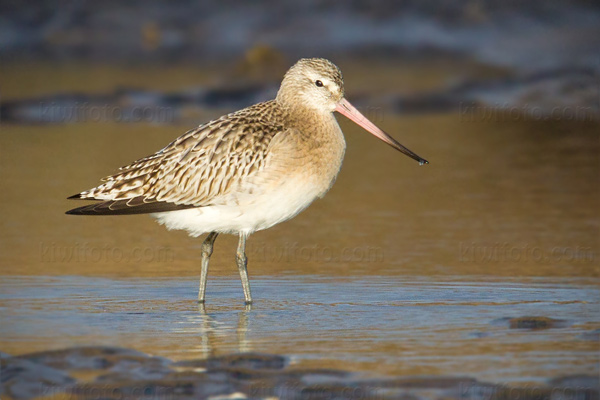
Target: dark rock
x,y
114,359
345,388
479,334
24,379
502,392
577,382
128,374
424,387
193,387
128,370
325,391
567,94
254,361
429,382
129,105
531,323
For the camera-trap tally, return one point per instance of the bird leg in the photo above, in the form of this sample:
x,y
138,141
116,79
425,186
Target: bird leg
x,y
242,263
207,249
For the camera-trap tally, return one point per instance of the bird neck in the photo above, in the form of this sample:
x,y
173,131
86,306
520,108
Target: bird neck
x,y
306,119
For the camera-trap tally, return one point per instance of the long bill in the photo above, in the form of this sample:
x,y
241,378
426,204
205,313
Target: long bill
x,y
348,110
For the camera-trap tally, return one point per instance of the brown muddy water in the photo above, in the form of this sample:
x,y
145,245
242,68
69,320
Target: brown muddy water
x,y
400,270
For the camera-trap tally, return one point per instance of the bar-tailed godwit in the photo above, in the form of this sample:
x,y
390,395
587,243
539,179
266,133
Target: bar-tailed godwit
x,y
245,171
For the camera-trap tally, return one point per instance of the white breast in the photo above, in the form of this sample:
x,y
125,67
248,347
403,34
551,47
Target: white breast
x,y
261,211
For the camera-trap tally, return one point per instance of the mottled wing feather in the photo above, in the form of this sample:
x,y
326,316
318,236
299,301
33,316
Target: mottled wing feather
x,y
199,168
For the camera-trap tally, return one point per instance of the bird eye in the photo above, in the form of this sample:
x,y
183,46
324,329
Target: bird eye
x,y
319,83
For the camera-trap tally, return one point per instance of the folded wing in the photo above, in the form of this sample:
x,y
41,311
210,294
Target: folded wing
x,y
197,169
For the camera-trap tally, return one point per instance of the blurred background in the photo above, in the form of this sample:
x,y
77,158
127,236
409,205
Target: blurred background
x,y
484,263
534,55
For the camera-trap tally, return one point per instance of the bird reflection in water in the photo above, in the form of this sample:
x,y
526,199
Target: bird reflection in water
x,y
213,331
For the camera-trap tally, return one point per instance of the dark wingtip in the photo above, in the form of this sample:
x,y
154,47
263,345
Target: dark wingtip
x,y
422,161
75,196
136,205
78,211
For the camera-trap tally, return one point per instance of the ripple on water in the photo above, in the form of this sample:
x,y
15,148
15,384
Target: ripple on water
x,y
385,325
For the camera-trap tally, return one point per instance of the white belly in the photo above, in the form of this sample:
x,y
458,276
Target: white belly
x,y
251,213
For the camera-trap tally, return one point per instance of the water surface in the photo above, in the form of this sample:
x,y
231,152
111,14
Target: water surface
x,y
375,325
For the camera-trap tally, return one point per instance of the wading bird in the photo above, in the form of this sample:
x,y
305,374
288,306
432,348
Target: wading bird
x,y
245,171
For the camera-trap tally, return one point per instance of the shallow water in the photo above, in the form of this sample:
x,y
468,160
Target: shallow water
x,y
399,270
383,326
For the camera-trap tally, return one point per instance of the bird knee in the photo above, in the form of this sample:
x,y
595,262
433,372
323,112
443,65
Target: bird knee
x,y
207,250
241,258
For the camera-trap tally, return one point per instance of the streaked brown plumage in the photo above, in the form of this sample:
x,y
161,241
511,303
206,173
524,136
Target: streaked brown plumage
x,y
245,171
195,169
